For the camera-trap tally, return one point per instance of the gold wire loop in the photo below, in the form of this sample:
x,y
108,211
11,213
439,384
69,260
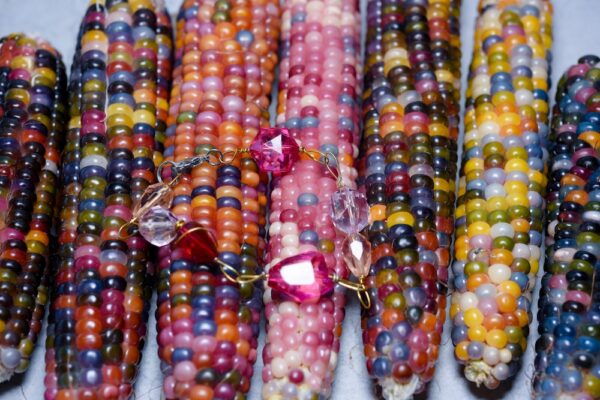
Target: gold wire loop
x,y
123,230
234,276
189,231
356,286
223,157
359,287
217,154
327,159
227,157
364,298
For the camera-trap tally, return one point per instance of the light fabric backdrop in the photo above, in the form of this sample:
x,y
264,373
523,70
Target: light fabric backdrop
x,y
576,32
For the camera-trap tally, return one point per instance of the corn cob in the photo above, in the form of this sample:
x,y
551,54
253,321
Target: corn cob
x,y
164,67
318,106
500,203
165,40
411,127
208,326
101,296
567,366
67,225
32,125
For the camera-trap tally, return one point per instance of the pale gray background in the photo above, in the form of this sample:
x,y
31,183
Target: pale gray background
x,y
576,32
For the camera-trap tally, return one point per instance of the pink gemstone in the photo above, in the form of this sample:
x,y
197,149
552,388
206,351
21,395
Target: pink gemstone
x,y
274,150
303,278
349,210
356,250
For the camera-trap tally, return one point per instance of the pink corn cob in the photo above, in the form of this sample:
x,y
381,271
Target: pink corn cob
x,y
318,93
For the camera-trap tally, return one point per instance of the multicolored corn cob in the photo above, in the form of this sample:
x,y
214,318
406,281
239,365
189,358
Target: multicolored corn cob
x,y
501,188
33,116
408,172
100,301
226,52
319,85
164,70
567,363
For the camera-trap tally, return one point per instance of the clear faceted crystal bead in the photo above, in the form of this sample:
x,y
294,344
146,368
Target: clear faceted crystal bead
x,y
356,251
158,226
157,194
349,210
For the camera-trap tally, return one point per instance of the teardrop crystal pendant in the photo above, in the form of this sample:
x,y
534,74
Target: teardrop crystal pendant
x,y
356,251
349,210
303,278
158,226
275,150
196,243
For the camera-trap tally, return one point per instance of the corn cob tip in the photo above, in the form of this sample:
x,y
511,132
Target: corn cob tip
x,y
392,390
479,373
5,373
10,360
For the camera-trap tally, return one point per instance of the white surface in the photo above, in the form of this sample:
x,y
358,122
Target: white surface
x,y
576,32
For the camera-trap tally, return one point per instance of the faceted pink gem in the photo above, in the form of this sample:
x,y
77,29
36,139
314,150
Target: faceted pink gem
x,y
349,210
275,150
158,226
303,278
356,250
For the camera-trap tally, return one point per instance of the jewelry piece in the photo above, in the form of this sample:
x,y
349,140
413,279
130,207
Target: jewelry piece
x,y
274,150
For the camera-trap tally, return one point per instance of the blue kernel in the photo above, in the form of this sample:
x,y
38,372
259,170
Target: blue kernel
x,y
181,354
309,237
307,199
400,352
382,367
383,340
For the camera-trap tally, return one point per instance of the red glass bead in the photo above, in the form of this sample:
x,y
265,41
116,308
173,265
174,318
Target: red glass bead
x,y
303,278
196,243
275,150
